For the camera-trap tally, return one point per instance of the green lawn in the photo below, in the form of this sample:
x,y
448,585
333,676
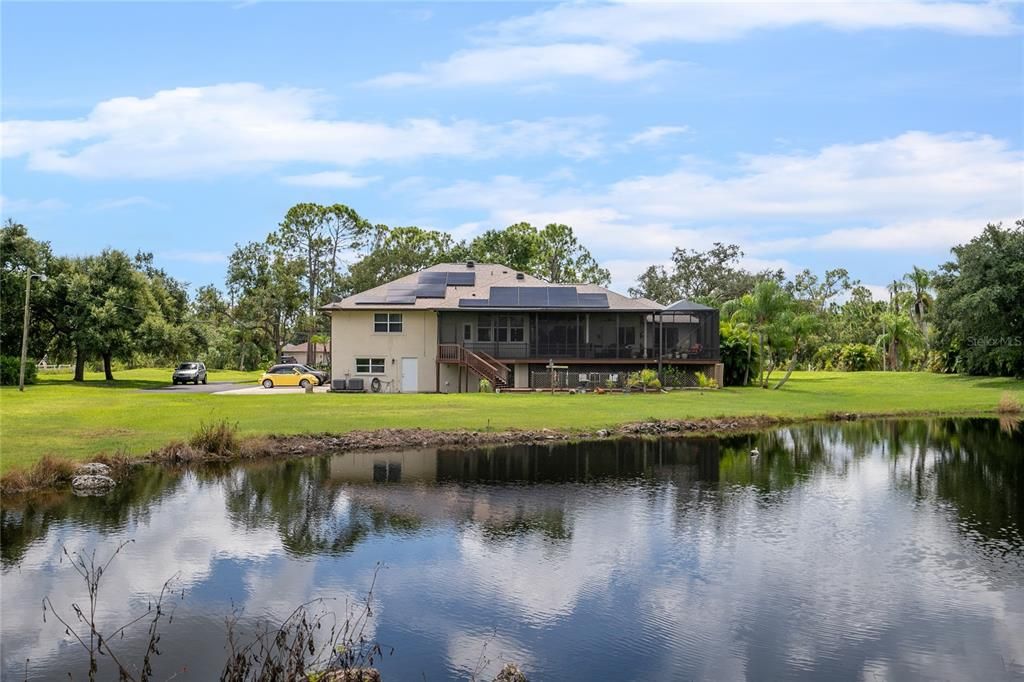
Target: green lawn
x,y
57,416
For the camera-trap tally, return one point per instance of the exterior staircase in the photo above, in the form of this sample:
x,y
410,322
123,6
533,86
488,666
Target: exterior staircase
x,y
479,362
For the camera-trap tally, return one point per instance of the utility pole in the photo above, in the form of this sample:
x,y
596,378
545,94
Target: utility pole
x,y
24,328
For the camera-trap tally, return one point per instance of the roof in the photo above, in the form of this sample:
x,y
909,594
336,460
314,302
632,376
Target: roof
x,y
415,292
302,347
684,305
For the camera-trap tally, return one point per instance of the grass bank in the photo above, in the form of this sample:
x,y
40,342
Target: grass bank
x,y
77,421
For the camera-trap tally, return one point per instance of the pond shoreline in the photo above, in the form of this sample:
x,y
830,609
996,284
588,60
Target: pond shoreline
x,y
51,474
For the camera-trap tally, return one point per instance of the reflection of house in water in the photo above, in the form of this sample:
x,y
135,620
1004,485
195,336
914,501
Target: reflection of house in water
x,y
438,485
405,466
678,459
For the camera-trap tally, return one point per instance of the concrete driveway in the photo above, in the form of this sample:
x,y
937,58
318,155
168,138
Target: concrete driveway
x,y
280,390
211,387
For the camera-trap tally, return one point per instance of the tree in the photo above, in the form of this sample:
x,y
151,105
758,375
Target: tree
x,y
399,251
516,246
711,277
898,337
979,307
758,310
266,298
919,281
19,253
315,235
561,259
799,326
116,307
553,253
819,292
346,230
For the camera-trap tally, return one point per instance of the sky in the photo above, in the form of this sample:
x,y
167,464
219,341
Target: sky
x,y
870,136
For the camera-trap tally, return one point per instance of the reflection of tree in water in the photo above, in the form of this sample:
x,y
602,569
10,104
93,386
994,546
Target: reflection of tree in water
x,y
27,520
977,465
300,500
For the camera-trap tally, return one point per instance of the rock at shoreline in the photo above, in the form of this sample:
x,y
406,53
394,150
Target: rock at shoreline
x,y
93,469
92,484
510,672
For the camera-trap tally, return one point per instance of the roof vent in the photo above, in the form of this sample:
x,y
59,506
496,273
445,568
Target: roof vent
x,y
520,275
470,264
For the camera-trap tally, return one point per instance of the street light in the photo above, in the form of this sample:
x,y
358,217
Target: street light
x,y
24,330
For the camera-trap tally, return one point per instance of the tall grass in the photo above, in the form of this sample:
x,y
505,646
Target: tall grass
x,y
1008,404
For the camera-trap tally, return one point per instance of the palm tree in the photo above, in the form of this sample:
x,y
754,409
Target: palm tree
x,y
732,310
897,291
920,282
758,309
800,327
899,335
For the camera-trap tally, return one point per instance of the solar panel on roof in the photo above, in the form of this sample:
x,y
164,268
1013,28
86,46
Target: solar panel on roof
x,y
433,277
432,290
504,297
461,279
400,298
533,297
559,297
474,303
593,300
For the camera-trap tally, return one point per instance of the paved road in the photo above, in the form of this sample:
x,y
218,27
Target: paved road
x,y
212,387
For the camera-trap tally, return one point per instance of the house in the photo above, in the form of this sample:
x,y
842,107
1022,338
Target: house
x,y
299,351
445,328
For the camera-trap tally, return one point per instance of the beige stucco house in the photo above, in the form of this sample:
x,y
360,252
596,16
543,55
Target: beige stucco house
x,y
445,328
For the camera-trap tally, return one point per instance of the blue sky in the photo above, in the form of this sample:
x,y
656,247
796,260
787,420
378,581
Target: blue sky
x,y
871,136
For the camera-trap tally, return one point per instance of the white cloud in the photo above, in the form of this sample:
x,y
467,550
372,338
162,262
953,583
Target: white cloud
x,y
244,127
913,191
518,63
656,134
8,206
937,234
600,41
698,22
329,179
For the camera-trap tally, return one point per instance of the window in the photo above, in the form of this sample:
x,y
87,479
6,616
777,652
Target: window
x,y
467,332
483,328
515,328
369,365
387,323
501,328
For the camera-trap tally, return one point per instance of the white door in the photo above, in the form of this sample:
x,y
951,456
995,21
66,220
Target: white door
x,y
409,374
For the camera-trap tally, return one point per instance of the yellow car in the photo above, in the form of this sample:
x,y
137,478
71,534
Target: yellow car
x,y
288,375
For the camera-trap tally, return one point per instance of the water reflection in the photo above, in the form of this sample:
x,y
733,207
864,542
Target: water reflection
x,y
885,548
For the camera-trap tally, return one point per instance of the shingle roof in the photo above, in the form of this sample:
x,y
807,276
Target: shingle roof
x,y
487,275
683,304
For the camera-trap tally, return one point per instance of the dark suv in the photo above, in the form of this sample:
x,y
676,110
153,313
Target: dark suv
x,y
186,372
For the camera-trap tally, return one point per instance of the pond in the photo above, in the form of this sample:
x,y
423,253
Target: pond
x,y
888,549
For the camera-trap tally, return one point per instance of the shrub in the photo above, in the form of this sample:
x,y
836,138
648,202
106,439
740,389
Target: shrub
x,y
673,376
9,368
858,357
704,381
216,438
485,386
645,379
1008,404
733,343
